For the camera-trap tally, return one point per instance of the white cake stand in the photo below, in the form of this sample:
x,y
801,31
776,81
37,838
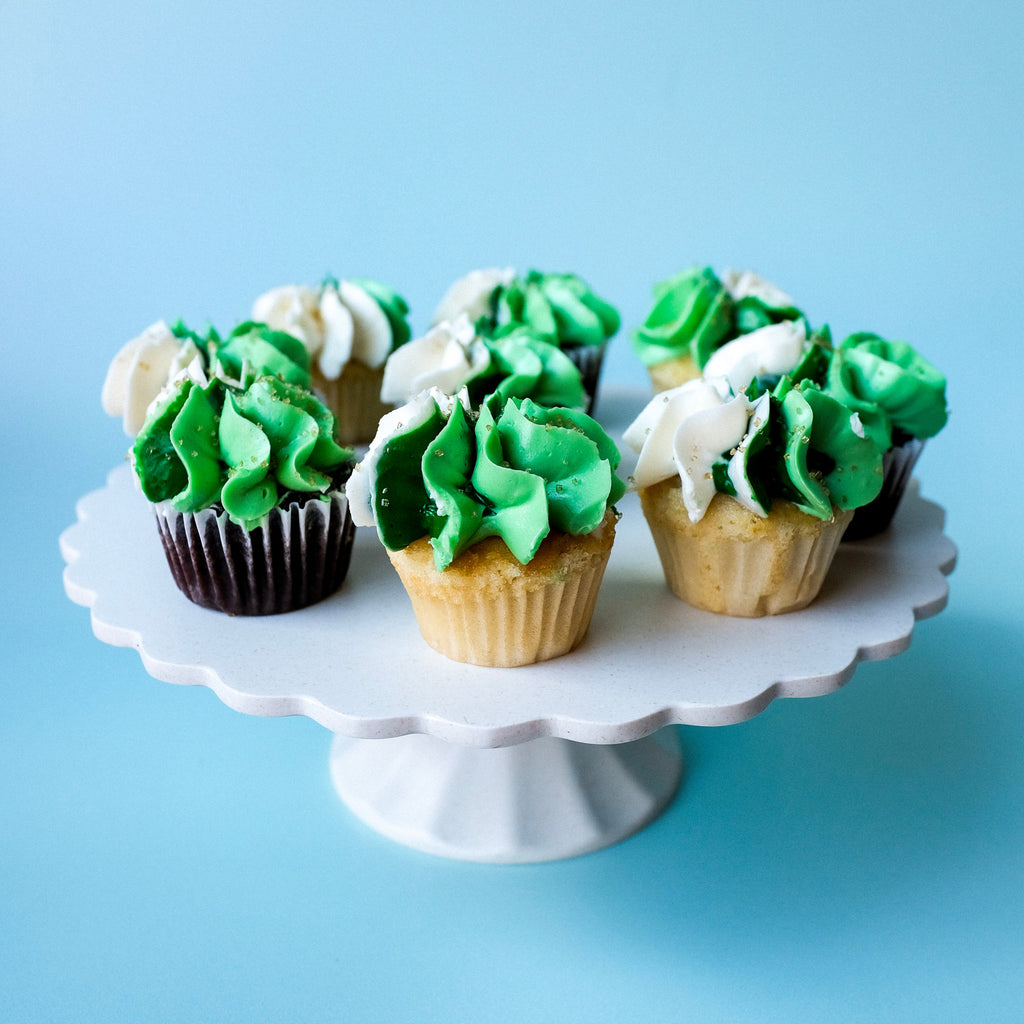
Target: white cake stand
x,y
506,765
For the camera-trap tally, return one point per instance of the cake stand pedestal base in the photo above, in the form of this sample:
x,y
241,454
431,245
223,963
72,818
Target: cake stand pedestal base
x,y
538,801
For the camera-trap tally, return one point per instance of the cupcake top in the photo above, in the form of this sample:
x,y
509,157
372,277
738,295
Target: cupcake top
x,y
561,309
511,468
338,322
793,443
158,356
515,362
246,446
696,311
896,391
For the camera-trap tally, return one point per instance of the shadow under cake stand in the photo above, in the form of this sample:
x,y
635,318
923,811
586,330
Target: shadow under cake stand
x,y
505,765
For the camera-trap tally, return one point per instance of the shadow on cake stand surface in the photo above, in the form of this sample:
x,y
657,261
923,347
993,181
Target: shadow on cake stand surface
x,y
515,765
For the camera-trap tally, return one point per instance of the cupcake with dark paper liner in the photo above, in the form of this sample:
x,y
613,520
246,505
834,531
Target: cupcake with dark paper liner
x,y
246,482
697,311
514,361
747,494
499,520
901,399
560,308
349,328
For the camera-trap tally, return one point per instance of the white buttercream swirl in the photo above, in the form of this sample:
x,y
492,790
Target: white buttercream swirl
x,y
141,370
337,323
472,294
769,351
687,430
446,357
744,284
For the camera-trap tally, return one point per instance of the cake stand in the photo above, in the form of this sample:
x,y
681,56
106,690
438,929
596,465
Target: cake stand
x,y
506,765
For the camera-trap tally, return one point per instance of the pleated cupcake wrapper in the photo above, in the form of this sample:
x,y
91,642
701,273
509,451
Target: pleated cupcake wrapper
x,y
354,398
505,627
588,359
897,468
298,556
749,578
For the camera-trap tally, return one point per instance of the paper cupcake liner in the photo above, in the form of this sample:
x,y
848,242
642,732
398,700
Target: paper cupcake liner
x,y
298,556
777,569
354,398
897,467
507,619
670,373
588,359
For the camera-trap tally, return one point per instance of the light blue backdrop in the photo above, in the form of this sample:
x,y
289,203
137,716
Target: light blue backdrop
x,y
851,858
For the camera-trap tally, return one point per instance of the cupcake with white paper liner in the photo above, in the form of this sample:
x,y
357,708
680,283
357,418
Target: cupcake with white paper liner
x,y
349,328
498,519
144,367
747,494
695,312
456,354
246,482
901,400
560,308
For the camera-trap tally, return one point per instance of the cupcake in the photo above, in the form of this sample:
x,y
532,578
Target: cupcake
x,y
561,309
499,521
349,329
695,312
515,362
247,487
747,494
901,400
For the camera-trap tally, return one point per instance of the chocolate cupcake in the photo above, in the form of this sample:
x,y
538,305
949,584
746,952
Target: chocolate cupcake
x,y
247,486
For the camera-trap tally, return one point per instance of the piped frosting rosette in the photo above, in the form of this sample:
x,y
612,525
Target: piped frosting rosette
x,y
747,494
159,356
560,308
515,362
499,520
349,328
901,400
246,482
696,311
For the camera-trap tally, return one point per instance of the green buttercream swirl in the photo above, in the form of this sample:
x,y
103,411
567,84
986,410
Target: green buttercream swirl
x,y
245,448
820,460
254,350
694,314
395,308
561,308
524,365
513,469
891,385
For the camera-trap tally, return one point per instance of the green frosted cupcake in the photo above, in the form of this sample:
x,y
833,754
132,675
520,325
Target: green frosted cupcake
x,y
247,486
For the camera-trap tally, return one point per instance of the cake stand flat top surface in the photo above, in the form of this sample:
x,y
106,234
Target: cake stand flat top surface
x,y
356,662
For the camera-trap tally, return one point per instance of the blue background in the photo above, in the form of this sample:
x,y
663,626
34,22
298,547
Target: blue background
x,y
850,858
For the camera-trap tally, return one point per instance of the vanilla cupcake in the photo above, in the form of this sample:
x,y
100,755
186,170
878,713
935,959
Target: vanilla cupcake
x,y
455,354
696,311
349,329
748,494
560,309
499,520
246,481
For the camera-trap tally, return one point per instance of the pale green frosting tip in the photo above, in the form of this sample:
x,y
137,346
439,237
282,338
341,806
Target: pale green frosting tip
x,y
891,385
512,468
207,443
561,308
255,350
